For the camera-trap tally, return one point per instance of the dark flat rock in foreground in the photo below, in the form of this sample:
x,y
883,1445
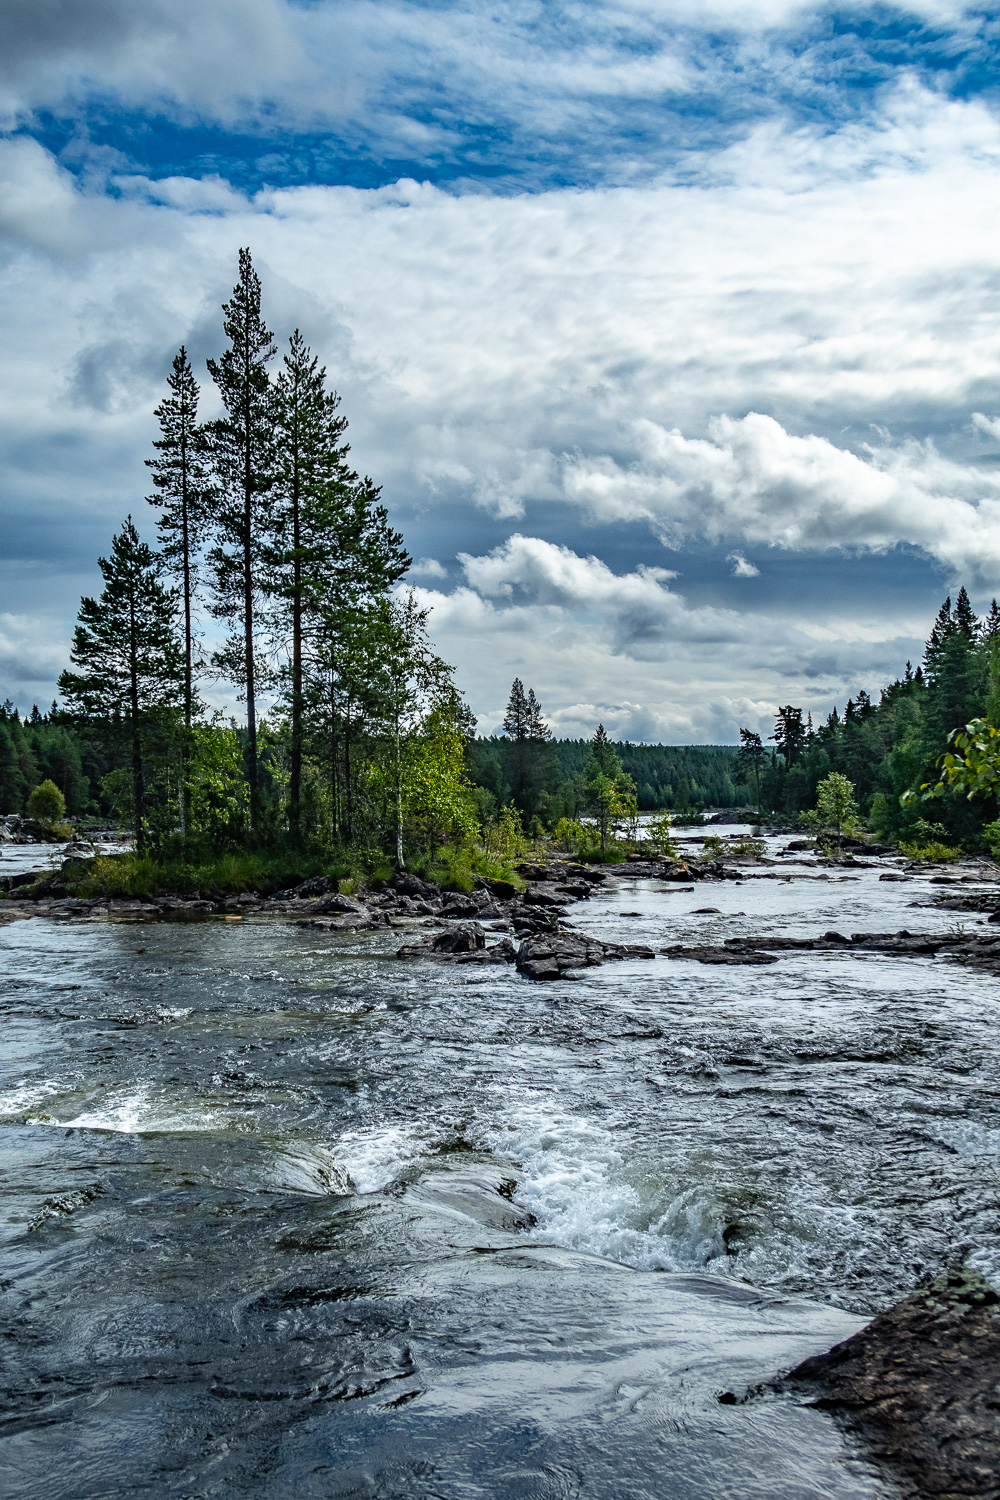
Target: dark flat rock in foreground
x,y
921,1384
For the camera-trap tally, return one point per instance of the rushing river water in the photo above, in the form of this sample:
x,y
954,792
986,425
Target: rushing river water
x,y
287,1217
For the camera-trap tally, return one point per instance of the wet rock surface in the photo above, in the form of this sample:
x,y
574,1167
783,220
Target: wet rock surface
x,y
921,1385
550,956
978,950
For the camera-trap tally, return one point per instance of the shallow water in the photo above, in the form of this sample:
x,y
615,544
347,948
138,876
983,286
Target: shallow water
x,y
253,1242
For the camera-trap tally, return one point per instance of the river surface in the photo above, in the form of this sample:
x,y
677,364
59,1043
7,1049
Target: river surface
x,y
284,1216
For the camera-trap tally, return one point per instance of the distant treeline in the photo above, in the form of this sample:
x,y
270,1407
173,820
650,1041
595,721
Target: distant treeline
x,y
548,778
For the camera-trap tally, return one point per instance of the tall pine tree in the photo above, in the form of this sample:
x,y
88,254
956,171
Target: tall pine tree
x,y
311,479
183,488
242,445
128,655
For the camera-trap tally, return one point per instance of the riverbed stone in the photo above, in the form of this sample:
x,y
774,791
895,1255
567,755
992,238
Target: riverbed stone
x,y
921,1383
551,955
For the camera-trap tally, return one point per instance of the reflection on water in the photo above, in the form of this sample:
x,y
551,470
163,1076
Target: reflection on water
x,y
284,1217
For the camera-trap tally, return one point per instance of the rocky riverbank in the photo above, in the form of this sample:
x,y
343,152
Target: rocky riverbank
x,y
920,1385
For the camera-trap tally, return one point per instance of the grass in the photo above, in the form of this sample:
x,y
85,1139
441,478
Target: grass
x,y
226,875
230,874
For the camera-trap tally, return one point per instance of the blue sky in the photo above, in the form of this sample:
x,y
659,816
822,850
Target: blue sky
x,y
671,330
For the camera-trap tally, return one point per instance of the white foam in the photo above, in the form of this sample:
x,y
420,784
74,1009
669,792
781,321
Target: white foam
x,y
376,1156
575,1181
26,1097
136,1113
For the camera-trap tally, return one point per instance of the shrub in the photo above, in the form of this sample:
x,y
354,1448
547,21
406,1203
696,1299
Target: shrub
x,y
933,853
47,805
658,833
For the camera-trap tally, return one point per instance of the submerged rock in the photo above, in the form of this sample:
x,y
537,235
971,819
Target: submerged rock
x,y
551,955
922,1384
460,944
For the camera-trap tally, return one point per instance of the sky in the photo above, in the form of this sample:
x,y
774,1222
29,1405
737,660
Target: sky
x,y
670,330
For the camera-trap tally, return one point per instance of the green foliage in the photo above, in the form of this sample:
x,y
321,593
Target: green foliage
x,y
47,805
714,847
659,833
503,836
973,766
933,852
835,803
991,836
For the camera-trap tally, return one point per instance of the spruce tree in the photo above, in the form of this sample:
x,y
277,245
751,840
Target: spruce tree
x,y
242,447
515,720
181,478
128,655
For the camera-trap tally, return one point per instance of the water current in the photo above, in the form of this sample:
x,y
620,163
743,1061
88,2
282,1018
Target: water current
x,y
285,1216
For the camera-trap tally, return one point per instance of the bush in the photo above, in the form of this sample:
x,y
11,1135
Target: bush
x,y
933,853
658,833
47,805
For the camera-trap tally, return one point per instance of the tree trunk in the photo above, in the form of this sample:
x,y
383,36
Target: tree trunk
x,y
185,798
295,768
399,803
138,790
249,651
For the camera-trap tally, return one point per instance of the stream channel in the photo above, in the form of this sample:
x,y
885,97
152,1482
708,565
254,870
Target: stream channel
x,y
285,1216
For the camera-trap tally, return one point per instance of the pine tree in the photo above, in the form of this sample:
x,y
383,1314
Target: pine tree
x,y
332,550
515,720
242,446
749,761
535,726
964,618
183,489
310,464
128,655
790,734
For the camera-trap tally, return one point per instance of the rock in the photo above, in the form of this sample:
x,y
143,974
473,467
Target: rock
x,y
895,875
346,922
713,955
578,890
585,872
412,885
458,904
463,939
318,886
922,1384
539,896
500,890
342,904
550,955
461,945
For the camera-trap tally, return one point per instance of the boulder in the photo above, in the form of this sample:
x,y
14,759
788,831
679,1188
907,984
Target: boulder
x,y
921,1383
551,955
412,885
537,895
500,890
343,905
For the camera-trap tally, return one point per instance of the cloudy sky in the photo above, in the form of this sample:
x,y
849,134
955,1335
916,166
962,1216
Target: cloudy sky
x,y
670,329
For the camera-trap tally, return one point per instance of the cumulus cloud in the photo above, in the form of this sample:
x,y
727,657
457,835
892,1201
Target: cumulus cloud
x,y
681,362
666,669
741,567
752,478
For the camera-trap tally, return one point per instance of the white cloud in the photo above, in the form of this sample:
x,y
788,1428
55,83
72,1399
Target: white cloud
x,y
751,478
427,567
568,625
741,567
707,361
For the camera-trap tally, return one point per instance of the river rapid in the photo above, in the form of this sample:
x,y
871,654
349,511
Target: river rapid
x,y
284,1216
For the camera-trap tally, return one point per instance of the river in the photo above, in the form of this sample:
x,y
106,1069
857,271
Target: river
x,y
287,1217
